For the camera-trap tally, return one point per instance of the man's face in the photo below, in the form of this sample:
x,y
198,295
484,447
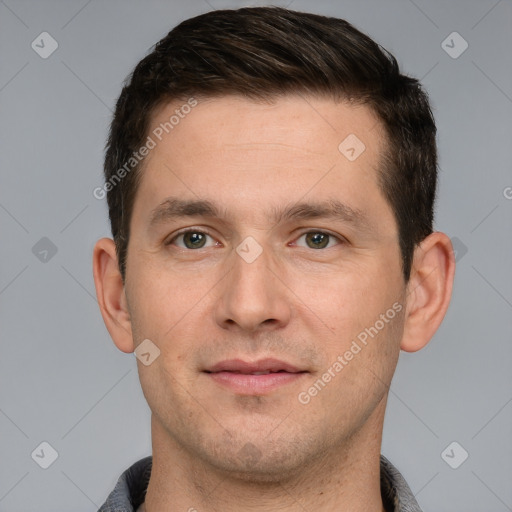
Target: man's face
x,y
265,279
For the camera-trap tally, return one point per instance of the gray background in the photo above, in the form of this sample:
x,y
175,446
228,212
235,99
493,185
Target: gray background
x,y
61,378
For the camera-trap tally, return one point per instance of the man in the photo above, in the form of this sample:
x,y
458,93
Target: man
x,y
270,178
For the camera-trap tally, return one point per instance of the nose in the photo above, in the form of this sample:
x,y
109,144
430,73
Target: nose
x,y
252,298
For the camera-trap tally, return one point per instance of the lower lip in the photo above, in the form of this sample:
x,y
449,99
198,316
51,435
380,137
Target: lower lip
x,y
246,384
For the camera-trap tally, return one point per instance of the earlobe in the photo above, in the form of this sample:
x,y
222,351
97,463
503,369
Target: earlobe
x,y
111,296
429,290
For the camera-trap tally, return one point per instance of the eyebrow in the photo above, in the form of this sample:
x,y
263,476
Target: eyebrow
x,y
174,208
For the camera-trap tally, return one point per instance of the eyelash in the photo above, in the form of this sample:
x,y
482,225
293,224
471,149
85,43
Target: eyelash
x,y
201,231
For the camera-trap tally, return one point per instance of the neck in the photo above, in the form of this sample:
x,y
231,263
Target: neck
x,y
347,477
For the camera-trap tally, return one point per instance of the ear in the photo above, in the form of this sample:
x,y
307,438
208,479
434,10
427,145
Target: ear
x,y
429,290
111,294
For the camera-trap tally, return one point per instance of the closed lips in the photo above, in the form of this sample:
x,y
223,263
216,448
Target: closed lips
x,y
262,367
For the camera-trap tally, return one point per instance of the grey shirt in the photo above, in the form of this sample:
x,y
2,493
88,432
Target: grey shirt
x,y
130,490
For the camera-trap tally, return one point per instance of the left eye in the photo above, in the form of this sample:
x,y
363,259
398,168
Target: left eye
x,y
317,239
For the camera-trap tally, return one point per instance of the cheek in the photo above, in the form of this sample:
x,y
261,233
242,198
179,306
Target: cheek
x,y
345,302
360,318
159,301
172,316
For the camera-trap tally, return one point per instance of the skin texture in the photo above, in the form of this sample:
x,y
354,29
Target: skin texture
x,y
217,449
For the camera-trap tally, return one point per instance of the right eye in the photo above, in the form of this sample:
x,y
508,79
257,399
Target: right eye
x,y
191,239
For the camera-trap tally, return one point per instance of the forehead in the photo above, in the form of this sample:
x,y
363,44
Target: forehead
x,y
304,124
236,151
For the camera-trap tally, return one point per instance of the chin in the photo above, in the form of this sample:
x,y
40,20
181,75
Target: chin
x,y
261,461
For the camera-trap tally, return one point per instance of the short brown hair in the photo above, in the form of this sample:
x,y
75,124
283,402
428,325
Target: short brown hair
x,y
262,53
